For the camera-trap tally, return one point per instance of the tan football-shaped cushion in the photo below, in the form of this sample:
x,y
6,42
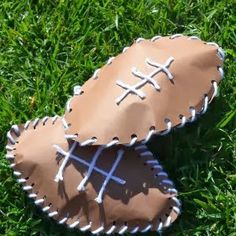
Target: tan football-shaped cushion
x,y
151,87
136,195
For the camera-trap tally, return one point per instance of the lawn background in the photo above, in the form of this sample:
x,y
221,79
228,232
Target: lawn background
x,y
47,47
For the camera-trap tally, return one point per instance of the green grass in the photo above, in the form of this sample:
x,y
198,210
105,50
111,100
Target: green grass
x,y
47,47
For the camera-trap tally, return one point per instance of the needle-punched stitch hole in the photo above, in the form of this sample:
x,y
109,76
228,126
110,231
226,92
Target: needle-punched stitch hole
x,y
167,120
133,136
125,223
152,128
167,215
70,110
114,222
160,219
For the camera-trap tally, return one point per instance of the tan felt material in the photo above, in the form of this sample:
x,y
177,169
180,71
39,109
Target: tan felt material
x,y
143,200
95,112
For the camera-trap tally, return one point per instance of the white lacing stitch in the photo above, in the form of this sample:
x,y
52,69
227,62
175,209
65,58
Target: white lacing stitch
x,y
134,230
193,114
63,220
68,109
12,165
22,180
120,154
158,167
65,123
153,39
172,191
141,147
145,79
169,125
183,122
175,36
176,210
113,142
214,83
9,148
16,130
193,38
205,105
81,186
45,119
148,227
54,213
221,71
152,162
46,208
125,49
35,123
123,229
132,142
162,68
73,225
32,195
138,40
168,221
10,138
98,230
70,136
213,44
111,230
39,201
162,174
27,124
110,60
176,200
95,74
10,156
168,183
149,135
88,142
86,227
27,187
54,119
129,89
146,153
220,51
160,226
59,175
77,90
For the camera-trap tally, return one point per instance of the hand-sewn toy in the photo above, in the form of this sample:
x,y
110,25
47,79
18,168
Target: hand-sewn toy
x,y
91,169
103,189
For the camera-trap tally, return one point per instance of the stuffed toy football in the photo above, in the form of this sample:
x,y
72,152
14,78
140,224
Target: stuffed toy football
x,y
90,169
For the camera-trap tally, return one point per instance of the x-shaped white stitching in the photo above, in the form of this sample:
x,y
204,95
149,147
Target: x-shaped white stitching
x,y
145,79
